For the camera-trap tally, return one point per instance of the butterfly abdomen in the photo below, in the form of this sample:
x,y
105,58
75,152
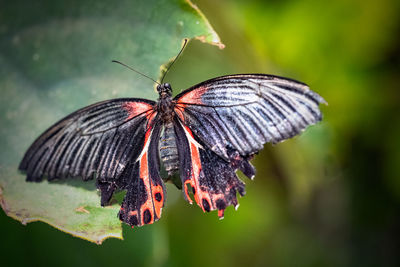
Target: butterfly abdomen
x,y
168,149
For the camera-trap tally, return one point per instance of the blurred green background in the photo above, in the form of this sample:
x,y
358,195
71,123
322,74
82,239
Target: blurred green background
x,y
330,197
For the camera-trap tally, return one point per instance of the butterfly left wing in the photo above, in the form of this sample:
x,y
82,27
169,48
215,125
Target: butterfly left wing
x,y
115,141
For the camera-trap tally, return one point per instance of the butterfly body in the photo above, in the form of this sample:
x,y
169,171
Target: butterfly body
x,y
165,104
206,132
168,149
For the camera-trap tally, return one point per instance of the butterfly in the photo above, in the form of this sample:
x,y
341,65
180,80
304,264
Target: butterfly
x,y
206,133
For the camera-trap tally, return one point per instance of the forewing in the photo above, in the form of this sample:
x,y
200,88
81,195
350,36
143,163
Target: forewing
x,y
97,140
243,112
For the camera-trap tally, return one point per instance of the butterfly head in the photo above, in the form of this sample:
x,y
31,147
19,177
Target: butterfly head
x,y
164,90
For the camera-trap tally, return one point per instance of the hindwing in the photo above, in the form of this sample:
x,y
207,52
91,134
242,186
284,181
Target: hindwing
x,y
145,195
212,179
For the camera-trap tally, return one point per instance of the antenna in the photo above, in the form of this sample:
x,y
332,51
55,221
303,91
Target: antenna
x,y
180,52
116,61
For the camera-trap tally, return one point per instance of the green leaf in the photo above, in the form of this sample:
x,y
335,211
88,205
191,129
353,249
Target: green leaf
x,y
55,57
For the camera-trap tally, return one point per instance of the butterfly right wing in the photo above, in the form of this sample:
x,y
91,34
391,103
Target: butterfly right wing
x,y
243,112
109,140
221,123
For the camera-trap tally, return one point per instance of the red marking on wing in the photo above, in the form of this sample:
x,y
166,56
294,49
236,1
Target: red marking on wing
x,y
179,112
150,116
136,108
144,174
158,203
151,203
193,96
199,194
188,182
132,213
221,213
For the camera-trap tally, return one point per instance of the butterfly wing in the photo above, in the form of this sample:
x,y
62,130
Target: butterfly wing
x,y
109,140
223,122
145,196
243,112
213,180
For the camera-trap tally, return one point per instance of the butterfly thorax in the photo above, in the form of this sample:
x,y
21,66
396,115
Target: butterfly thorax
x,y
165,105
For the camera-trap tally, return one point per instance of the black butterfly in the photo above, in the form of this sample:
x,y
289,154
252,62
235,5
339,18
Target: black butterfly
x,y
206,132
